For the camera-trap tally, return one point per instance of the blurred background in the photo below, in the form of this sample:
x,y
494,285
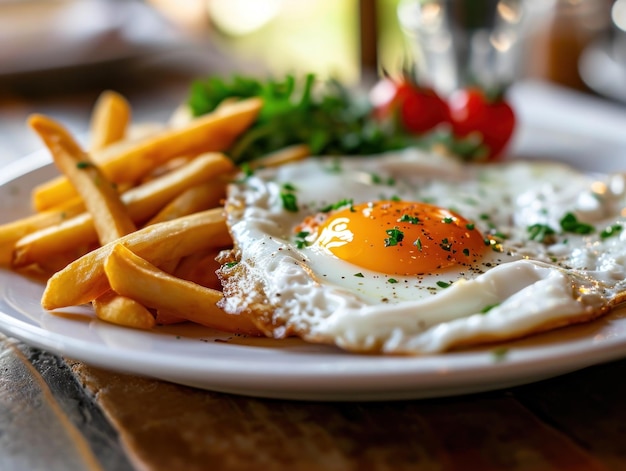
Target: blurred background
x,y
59,54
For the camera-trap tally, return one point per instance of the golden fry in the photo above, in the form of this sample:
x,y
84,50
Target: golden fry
x,y
193,200
282,156
130,161
120,310
14,230
142,202
101,199
146,200
109,120
134,277
84,279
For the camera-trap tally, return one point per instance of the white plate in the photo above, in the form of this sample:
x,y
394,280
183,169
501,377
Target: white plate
x,y
196,356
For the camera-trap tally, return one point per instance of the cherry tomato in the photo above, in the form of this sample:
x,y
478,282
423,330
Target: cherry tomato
x,y
417,109
472,113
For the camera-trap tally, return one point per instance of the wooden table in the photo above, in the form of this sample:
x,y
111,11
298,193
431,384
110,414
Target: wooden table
x,y
56,413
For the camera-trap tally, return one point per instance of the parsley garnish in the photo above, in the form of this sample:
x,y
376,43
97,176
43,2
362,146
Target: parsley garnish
x,y
83,165
443,284
409,218
359,275
488,308
540,232
337,205
300,240
469,226
447,220
395,236
392,280
290,202
445,245
570,223
466,252
230,264
611,231
418,244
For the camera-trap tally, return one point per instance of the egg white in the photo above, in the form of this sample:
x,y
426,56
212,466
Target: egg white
x,y
519,287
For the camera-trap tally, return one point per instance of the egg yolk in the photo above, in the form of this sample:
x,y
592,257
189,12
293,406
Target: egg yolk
x,y
401,238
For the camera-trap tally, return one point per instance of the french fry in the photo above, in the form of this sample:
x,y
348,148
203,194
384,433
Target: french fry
x,y
195,199
142,202
282,156
134,277
200,267
130,161
107,211
101,199
84,279
15,230
109,120
120,310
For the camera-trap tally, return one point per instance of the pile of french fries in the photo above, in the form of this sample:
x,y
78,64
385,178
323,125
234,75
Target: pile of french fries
x,y
133,225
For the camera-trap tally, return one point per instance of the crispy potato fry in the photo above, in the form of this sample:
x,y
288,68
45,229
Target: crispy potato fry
x,y
14,230
146,200
130,161
84,279
200,267
282,156
134,277
141,202
120,310
100,197
109,120
193,200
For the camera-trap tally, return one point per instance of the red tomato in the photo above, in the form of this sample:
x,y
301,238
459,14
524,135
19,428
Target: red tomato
x,y
417,109
472,112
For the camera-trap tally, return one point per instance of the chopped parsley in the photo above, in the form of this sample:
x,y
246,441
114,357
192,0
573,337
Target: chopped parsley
x,y
359,275
488,308
447,220
540,232
290,202
83,165
470,226
392,280
569,223
611,231
395,237
300,240
418,244
466,252
230,264
443,284
337,205
408,218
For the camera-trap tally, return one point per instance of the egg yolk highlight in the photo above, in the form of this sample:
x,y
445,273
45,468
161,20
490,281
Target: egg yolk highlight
x,y
401,238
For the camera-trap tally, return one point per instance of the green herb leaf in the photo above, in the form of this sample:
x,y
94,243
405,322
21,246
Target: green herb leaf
x,y
540,232
569,223
409,218
611,231
395,236
290,202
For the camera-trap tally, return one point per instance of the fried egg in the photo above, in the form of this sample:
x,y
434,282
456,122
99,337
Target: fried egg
x,y
415,253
